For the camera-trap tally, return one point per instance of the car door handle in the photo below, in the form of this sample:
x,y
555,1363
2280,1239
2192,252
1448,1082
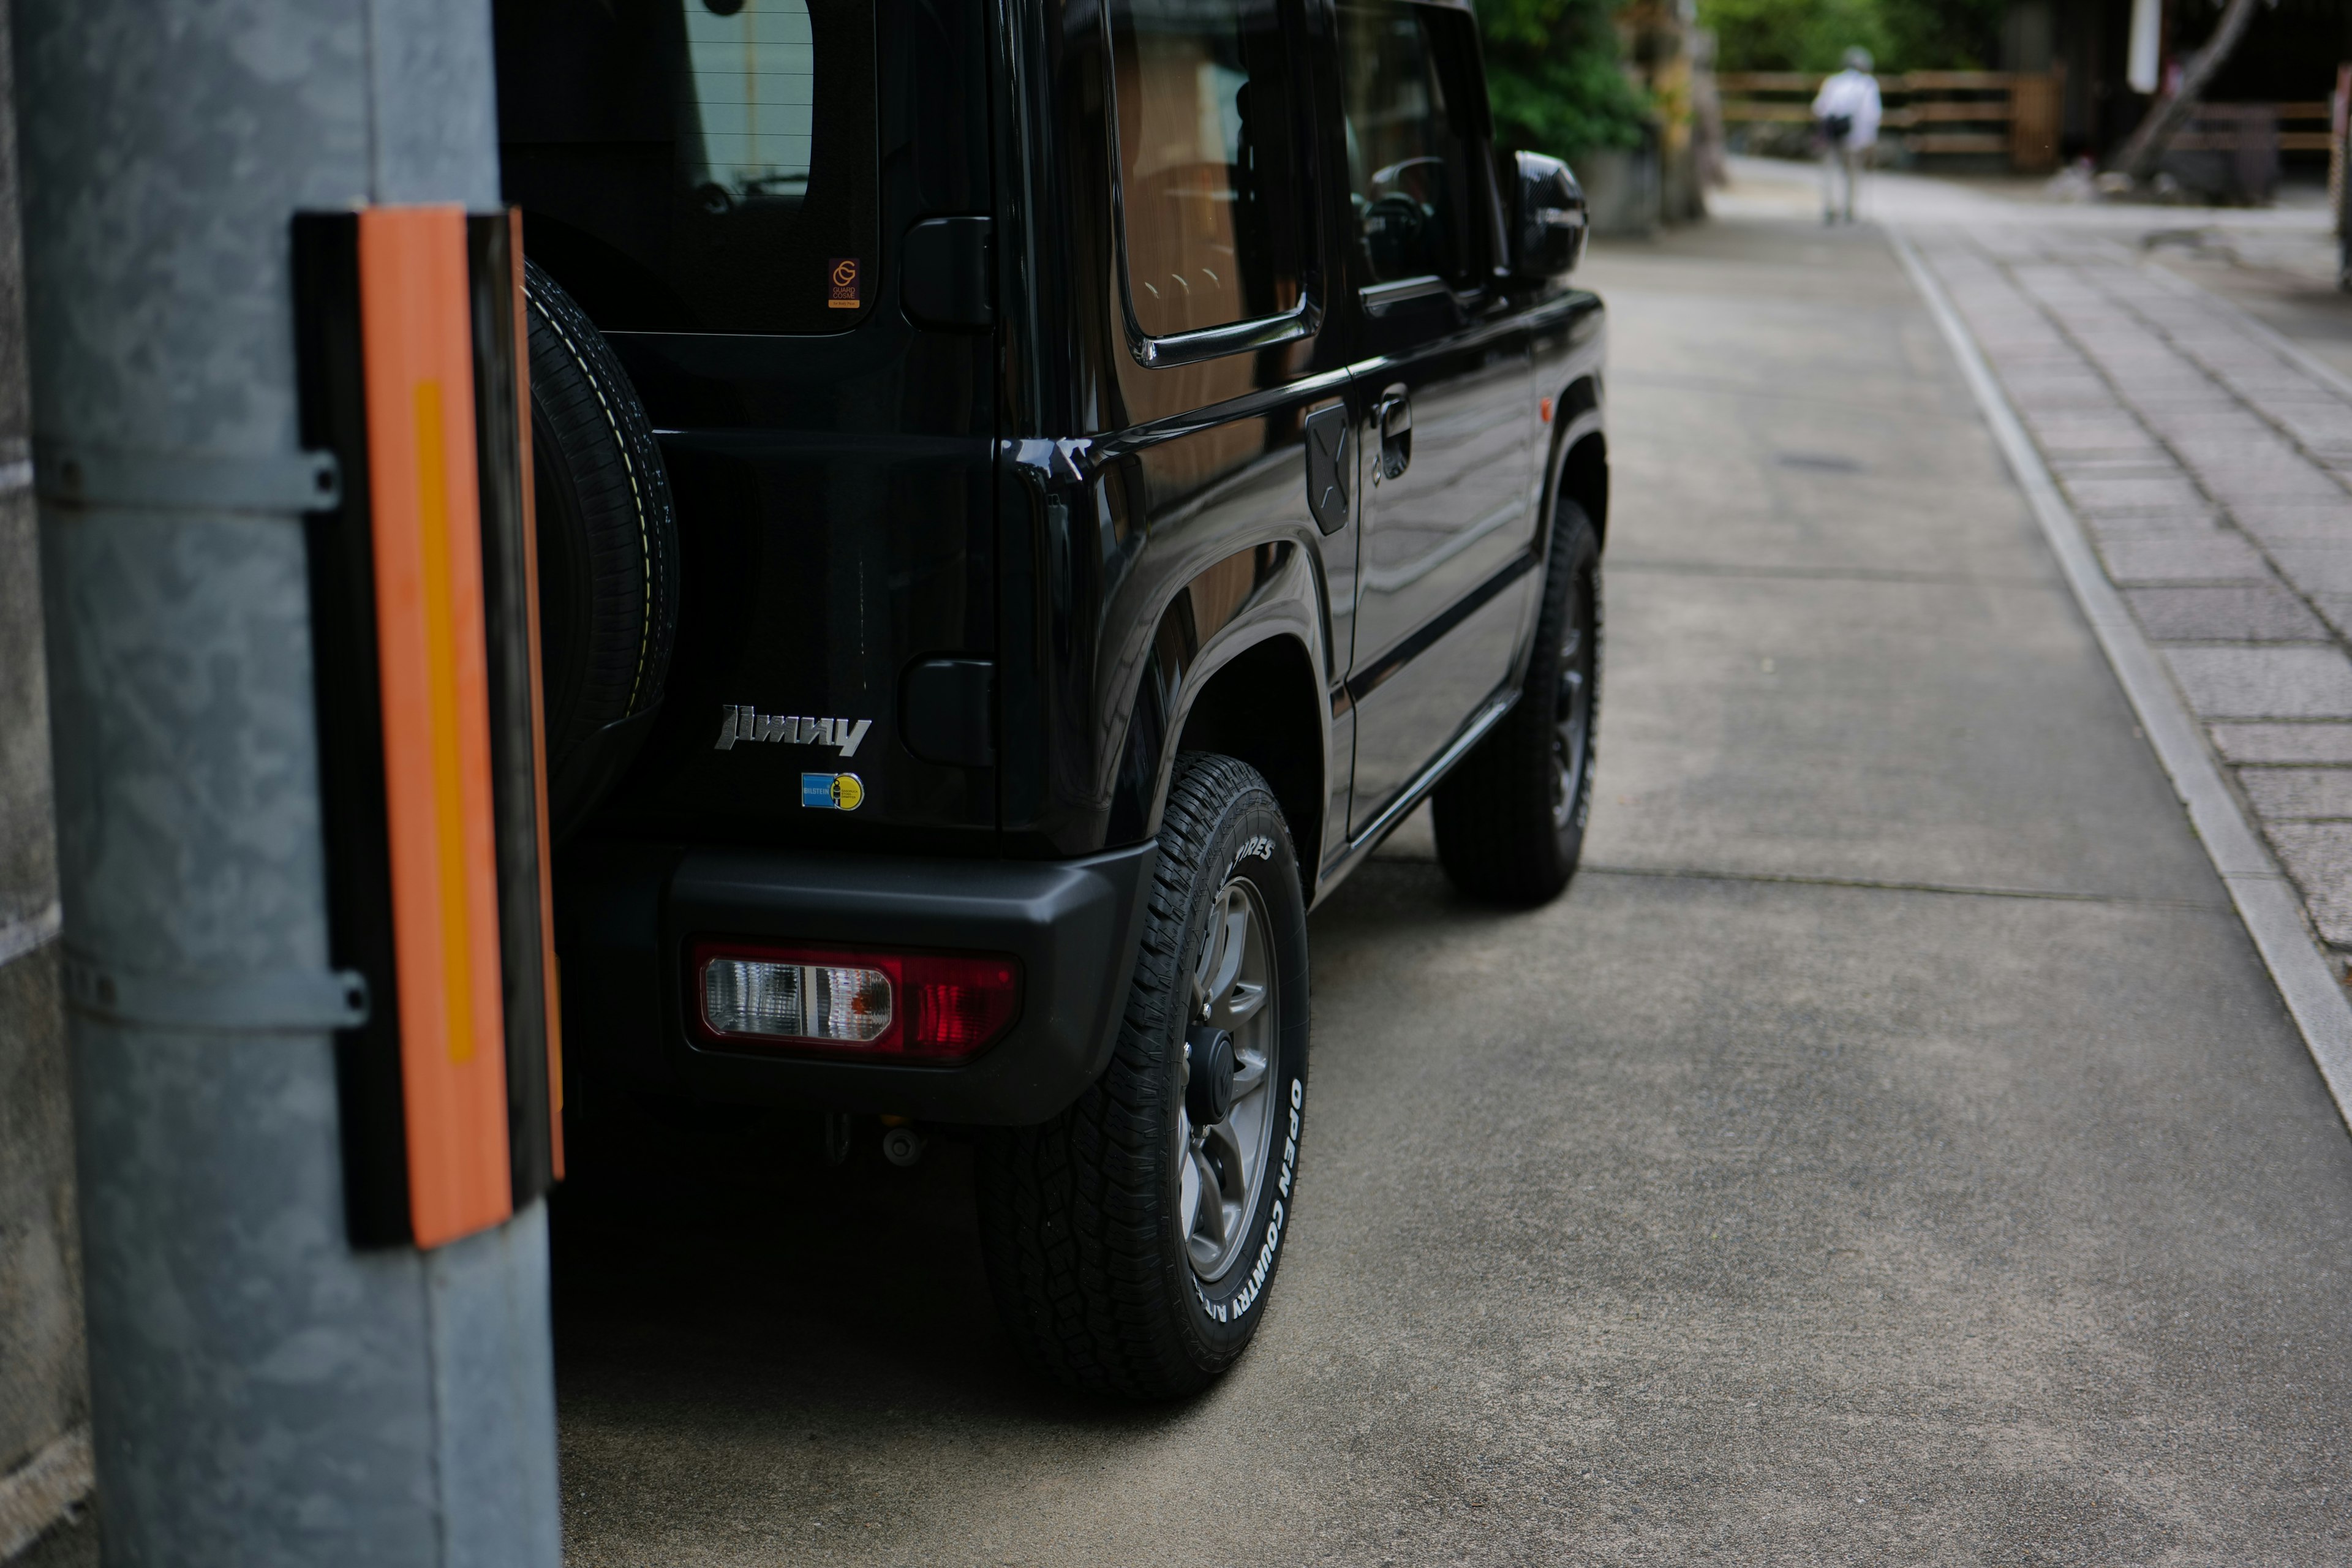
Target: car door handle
x,y
1393,414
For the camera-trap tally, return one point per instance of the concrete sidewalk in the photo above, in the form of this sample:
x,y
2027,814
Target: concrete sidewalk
x,y
1891,1150
2204,442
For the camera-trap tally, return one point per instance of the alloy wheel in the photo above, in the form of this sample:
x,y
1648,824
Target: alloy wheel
x,y
1224,1162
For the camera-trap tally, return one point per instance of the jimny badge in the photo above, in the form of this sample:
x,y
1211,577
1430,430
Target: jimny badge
x,y
742,724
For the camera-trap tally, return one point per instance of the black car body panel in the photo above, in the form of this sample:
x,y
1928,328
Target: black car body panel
x,y
836,489
1032,526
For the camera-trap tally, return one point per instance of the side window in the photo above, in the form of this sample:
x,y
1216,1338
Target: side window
x,y
1410,180
1207,171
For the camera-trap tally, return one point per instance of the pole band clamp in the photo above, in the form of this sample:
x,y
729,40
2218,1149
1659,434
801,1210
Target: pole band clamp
x,y
278,483
289,1001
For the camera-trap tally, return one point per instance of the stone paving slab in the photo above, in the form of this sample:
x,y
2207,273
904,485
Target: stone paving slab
x,y
2172,492
2202,523
2214,474
2218,558
2112,466
2255,613
2318,855
2336,609
2261,742
2274,522
2096,432
2300,795
2264,682
2316,569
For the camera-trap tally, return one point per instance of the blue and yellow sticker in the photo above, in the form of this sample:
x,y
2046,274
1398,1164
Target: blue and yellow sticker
x,y
832,792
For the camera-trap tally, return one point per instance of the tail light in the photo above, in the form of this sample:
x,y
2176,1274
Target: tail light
x,y
907,1007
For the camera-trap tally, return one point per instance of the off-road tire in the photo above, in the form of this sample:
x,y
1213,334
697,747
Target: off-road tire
x,y
608,551
1510,828
1082,1220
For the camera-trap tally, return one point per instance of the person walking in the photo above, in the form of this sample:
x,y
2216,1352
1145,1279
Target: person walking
x,y
1846,109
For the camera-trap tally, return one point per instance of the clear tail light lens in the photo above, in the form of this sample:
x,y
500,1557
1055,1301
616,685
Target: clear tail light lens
x,y
795,1001
935,1007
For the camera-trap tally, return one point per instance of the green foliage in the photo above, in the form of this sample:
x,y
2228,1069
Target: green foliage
x,y
1811,35
1553,76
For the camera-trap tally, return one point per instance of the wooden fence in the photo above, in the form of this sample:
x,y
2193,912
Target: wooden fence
x,y
2013,115
2227,127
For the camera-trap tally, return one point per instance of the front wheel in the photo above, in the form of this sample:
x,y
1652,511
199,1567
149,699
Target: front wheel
x,y
1130,1241
1510,816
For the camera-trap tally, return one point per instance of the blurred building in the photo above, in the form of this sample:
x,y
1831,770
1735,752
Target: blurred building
x,y
2268,106
1633,190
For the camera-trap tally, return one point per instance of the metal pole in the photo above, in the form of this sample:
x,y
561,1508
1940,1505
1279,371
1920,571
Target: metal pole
x,y
262,1392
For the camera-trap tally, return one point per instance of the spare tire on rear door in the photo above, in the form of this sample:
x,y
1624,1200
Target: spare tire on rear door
x,y
607,554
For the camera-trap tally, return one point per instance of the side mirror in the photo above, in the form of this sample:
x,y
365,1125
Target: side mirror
x,y
1547,219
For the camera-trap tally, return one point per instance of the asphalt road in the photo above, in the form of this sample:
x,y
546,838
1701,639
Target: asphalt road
x,y
1890,1150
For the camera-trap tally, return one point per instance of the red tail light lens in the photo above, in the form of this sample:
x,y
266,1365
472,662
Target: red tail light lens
x,y
960,1005
910,1006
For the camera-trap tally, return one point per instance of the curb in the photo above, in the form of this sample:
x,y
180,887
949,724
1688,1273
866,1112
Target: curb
x,y
2266,900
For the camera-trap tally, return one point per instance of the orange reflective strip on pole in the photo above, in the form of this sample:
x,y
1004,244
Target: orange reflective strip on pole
x,y
415,326
538,700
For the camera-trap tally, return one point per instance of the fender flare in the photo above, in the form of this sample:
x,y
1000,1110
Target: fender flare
x,y
1179,664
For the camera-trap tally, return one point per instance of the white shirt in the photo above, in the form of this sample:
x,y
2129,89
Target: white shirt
x,y
1853,94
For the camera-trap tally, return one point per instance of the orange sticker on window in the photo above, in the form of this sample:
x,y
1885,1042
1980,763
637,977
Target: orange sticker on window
x,y
842,283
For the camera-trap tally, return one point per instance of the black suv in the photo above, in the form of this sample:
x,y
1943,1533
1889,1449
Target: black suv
x,y
1031,492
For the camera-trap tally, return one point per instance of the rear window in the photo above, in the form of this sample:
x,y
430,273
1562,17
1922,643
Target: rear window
x,y
695,165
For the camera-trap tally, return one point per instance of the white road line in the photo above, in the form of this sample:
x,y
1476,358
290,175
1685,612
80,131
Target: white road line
x,y
2267,902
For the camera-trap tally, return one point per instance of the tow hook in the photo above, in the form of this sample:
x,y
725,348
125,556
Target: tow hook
x,y
902,1145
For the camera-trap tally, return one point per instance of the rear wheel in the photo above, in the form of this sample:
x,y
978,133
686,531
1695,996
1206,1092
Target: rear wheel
x,y
1510,817
1131,1240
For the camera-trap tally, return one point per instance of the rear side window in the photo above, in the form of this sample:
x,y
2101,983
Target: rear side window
x,y
695,165
1410,179
1210,199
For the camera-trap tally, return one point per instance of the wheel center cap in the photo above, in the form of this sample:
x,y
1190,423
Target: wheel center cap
x,y
1208,1093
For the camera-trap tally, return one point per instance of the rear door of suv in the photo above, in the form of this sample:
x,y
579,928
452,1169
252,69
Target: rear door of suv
x,y
1445,388
778,211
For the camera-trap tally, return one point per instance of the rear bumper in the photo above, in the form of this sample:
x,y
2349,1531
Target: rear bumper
x,y
627,914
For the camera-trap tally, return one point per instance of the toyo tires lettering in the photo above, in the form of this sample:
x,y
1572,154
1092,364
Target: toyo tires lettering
x,y
1254,1285
1258,847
